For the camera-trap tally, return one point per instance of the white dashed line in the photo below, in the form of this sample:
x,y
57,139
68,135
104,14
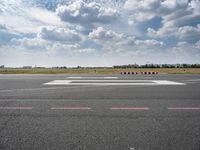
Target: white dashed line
x,y
70,108
129,108
183,108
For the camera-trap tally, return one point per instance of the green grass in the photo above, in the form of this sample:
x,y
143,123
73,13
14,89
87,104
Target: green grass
x,y
99,71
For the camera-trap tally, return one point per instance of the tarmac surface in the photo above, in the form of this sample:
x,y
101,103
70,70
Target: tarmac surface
x,y
100,112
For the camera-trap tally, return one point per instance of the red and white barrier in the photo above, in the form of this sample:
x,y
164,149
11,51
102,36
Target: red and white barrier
x,y
142,73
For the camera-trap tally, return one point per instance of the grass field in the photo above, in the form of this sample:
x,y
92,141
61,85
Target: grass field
x,y
99,71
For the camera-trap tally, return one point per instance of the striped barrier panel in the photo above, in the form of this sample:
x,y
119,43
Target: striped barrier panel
x,y
142,73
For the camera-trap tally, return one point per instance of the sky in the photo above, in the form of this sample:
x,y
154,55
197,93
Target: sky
x,y
99,32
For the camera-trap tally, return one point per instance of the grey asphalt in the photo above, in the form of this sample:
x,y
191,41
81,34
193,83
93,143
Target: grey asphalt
x,y
100,127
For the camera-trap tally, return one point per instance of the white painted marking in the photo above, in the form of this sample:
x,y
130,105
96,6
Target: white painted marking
x,y
165,82
110,77
129,108
113,82
59,82
70,108
74,77
88,81
107,84
92,77
15,108
183,108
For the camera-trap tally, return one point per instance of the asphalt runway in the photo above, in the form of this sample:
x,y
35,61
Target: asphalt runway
x,y
100,112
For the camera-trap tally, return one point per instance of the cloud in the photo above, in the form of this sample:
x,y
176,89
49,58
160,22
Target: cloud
x,y
114,42
141,10
46,4
184,32
43,16
148,43
147,9
59,34
54,41
6,35
85,14
188,32
103,35
197,45
141,5
185,52
176,16
162,32
31,43
25,18
3,27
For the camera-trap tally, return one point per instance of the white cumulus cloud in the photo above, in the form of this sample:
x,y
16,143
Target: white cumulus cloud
x,y
83,13
58,34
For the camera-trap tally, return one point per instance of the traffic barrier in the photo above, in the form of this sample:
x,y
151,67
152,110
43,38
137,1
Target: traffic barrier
x,y
142,73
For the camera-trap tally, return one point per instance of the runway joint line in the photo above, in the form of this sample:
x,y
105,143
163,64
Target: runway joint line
x,y
16,108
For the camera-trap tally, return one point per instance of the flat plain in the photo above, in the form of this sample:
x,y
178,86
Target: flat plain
x,y
97,71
